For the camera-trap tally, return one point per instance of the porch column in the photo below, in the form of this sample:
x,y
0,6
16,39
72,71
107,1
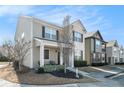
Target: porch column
x,y
41,55
71,58
61,56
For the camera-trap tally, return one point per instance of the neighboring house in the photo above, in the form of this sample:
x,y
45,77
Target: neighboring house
x,y
47,41
112,50
121,54
95,48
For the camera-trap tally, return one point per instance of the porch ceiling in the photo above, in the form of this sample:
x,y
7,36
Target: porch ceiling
x,y
46,43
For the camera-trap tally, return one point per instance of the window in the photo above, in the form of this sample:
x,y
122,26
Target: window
x,y
98,45
78,55
46,54
78,37
49,33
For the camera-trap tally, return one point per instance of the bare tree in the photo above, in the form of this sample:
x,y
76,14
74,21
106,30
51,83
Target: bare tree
x,y
68,41
17,51
8,47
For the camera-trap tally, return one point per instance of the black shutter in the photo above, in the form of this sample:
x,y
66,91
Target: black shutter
x,y
73,35
57,35
43,31
81,55
81,37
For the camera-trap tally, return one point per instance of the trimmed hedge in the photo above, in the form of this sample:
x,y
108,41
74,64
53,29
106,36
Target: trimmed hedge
x,y
50,68
80,63
99,64
122,63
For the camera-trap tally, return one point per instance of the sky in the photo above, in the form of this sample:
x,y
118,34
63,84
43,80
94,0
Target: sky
x,y
109,20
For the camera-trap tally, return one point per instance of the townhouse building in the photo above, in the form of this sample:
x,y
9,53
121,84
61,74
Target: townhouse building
x,y
121,54
95,48
113,52
47,41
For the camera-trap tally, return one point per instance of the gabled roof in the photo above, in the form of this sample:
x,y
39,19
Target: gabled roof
x,y
79,21
41,20
92,34
112,43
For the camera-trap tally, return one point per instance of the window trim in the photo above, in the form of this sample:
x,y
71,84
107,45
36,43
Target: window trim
x,y
44,32
77,39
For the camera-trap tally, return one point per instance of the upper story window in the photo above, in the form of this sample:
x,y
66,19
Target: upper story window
x,y
78,36
98,45
49,33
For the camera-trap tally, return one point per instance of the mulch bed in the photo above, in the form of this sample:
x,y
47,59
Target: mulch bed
x,y
30,77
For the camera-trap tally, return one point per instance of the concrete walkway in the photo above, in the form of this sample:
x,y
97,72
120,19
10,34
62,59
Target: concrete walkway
x,y
107,71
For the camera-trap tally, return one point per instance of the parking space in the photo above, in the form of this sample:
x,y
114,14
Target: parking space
x,y
101,72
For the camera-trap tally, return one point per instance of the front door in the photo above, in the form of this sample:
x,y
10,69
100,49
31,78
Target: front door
x,y
109,60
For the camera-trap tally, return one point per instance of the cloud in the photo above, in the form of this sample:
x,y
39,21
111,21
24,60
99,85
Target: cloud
x,y
14,10
89,15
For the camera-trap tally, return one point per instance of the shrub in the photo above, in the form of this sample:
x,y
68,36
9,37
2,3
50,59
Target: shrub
x,y
16,65
99,64
40,70
80,63
4,58
121,63
51,68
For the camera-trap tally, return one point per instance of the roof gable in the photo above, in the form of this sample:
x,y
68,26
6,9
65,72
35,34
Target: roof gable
x,y
98,35
95,34
112,43
79,23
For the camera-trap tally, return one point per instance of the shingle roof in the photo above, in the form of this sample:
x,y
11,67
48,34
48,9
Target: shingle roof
x,y
90,34
111,43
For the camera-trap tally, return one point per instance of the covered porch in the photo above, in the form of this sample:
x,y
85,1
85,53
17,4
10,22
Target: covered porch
x,y
47,52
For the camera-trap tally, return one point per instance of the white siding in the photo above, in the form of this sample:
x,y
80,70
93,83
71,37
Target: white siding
x,y
24,26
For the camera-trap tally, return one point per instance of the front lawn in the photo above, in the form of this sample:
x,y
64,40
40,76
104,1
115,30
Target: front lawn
x,y
52,78
4,63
